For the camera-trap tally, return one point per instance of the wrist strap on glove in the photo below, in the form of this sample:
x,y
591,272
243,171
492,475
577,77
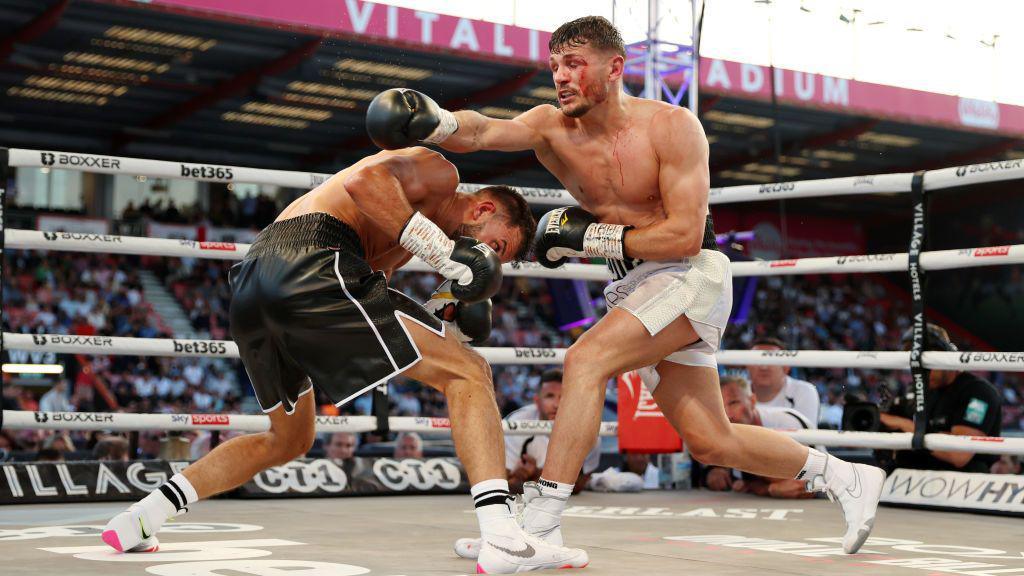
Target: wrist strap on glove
x,y
427,241
448,125
605,240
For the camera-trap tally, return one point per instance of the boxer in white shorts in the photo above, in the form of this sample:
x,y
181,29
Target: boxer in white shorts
x,y
639,170
658,292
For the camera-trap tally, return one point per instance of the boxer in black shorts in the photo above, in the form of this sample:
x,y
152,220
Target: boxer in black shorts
x,y
311,308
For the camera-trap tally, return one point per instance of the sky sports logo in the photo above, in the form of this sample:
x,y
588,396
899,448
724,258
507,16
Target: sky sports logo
x,y
991,251
226,246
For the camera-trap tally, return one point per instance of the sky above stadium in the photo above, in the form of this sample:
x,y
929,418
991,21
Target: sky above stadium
x,y
973,49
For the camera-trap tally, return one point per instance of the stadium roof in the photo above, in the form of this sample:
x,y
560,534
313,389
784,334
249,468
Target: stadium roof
x,y
125,78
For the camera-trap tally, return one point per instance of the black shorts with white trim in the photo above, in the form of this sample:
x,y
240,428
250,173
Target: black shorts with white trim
x,y
307,309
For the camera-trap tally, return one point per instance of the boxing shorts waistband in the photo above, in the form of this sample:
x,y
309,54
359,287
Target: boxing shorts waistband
x,y
314,230
619,268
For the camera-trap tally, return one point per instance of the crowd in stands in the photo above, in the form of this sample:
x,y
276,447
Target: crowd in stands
x,y
250,211
98,294
101,295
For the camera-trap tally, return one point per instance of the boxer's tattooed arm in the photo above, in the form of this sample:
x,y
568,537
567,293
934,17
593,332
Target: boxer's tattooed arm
x,y
683,179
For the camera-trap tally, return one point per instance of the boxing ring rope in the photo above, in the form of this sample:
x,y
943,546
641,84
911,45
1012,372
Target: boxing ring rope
x,y
22,420
915,260
177,347
865,263
873,184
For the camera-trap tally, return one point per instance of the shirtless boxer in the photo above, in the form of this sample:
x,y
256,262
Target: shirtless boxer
x,y
639,169
308,309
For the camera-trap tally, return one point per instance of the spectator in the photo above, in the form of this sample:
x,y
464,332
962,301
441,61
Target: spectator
x,y
49,455
524,455
56,399
342,446
636,473
409,445
774,387
60,442
111,448
962,404
1007,464
742,407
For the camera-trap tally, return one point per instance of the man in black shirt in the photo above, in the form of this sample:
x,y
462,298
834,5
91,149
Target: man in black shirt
x,y
958,403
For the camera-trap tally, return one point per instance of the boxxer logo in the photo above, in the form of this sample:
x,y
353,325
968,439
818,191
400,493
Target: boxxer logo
x,y
47,158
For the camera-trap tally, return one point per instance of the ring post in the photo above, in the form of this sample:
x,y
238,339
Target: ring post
x,y
381,409
5,172
917,285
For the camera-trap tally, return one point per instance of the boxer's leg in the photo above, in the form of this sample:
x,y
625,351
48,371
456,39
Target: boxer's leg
x,y
465,379
227,466
234,462
691,399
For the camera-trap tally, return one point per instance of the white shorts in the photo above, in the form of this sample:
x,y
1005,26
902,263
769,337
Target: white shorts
x,y
656,293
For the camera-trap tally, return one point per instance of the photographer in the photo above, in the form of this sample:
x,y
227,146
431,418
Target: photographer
x,y
958,403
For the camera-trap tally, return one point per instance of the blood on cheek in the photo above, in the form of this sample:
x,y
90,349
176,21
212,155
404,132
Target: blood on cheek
x,y
583,81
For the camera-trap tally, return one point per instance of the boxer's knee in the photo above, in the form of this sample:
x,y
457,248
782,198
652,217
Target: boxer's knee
x,y
469,373
712,449
585,365
285,445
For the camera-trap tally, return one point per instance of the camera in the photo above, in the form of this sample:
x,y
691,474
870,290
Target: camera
x,y
863,416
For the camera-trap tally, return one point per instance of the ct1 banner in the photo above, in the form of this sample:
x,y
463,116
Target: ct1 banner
x,y
358,476
967,492
91,481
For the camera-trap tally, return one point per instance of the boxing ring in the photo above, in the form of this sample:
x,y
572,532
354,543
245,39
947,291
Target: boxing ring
x,y
713,533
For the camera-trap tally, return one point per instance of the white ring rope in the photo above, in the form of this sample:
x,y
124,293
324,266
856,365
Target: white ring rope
x,y
89,421
873,184
935,260
121,422
120,346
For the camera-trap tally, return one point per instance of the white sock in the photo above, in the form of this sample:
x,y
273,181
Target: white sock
x,y
559,492
493,506
169,500
815,465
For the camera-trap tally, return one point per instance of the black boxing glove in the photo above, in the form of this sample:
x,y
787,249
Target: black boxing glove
x,y
468,322
473,265
399,118
572,231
